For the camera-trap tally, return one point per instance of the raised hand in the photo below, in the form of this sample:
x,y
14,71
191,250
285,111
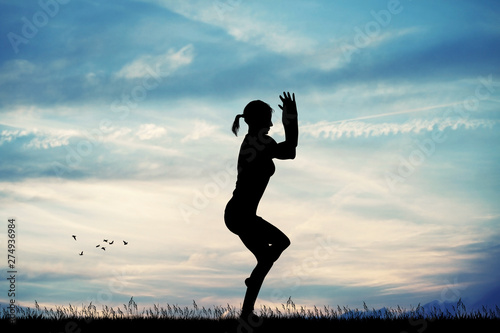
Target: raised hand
x,y
289,108
289,119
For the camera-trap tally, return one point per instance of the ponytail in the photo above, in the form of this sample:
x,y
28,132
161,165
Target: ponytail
x,y
236,124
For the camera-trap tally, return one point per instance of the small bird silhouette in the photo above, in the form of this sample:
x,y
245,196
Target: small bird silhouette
x,y
81,253
98,245
73,236
103,248
111,242
105,240
125,243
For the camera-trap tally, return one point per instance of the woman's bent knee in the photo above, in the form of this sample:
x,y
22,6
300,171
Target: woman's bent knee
x,y
285,243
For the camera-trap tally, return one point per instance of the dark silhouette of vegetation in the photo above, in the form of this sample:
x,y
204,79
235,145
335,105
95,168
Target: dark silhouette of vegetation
x,y
287,318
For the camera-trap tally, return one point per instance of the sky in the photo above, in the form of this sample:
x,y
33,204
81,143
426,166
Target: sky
x,y
115,123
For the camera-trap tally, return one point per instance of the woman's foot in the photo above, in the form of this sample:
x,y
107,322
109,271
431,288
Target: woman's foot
x,y
245,314
250,317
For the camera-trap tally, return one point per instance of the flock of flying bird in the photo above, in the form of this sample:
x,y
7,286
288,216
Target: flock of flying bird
x,y
99,245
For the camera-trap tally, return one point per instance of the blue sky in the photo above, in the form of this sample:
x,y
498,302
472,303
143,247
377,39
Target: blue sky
x,y
115,124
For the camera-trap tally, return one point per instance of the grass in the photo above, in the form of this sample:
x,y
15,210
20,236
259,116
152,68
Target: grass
x,y
287,318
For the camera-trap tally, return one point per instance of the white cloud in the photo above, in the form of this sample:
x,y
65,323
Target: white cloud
x,y
49,141
243,24
55,137
272,36
339,129
150,131
337,52
159,65
9,135
253,27
42,139
201,129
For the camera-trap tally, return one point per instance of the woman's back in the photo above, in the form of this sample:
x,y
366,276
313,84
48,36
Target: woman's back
x,y
255,167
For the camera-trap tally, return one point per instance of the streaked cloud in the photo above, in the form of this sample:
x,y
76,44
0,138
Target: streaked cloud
x,y
243,24
39,139
336,130
201,129
150,131
160,65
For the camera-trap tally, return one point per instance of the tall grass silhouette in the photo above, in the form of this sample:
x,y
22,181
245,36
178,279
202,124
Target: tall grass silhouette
x,y
285,318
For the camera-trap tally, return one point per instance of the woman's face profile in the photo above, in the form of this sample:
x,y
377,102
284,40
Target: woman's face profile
x,y
266,124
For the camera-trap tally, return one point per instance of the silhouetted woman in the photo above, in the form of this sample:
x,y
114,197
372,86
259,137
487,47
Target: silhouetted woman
x,y
255,167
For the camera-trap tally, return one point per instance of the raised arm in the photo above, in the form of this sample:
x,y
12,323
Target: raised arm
x,y
286,149
289,118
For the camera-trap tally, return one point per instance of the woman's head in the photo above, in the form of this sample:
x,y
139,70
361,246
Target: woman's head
x,y
257,115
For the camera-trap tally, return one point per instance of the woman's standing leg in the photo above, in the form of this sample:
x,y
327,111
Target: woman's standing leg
x,y
267,243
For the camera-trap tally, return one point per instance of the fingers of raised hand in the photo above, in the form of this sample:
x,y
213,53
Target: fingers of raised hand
x,y
287,100
287,97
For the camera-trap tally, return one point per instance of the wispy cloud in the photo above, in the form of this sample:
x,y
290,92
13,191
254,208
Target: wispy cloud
x,y
162,65
336,130
201,129
150,131
243,24
380,115
51,138
278,36
39,139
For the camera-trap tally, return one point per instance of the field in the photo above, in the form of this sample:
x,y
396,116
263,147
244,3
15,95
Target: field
x,y
288,318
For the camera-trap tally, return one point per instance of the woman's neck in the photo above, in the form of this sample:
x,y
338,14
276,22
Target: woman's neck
x,y
255,131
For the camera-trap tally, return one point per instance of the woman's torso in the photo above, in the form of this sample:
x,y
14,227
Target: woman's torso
x,y
255,168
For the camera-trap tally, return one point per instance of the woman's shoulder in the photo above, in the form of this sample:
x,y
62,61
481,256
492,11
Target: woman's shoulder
x,y
259,140
255,145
